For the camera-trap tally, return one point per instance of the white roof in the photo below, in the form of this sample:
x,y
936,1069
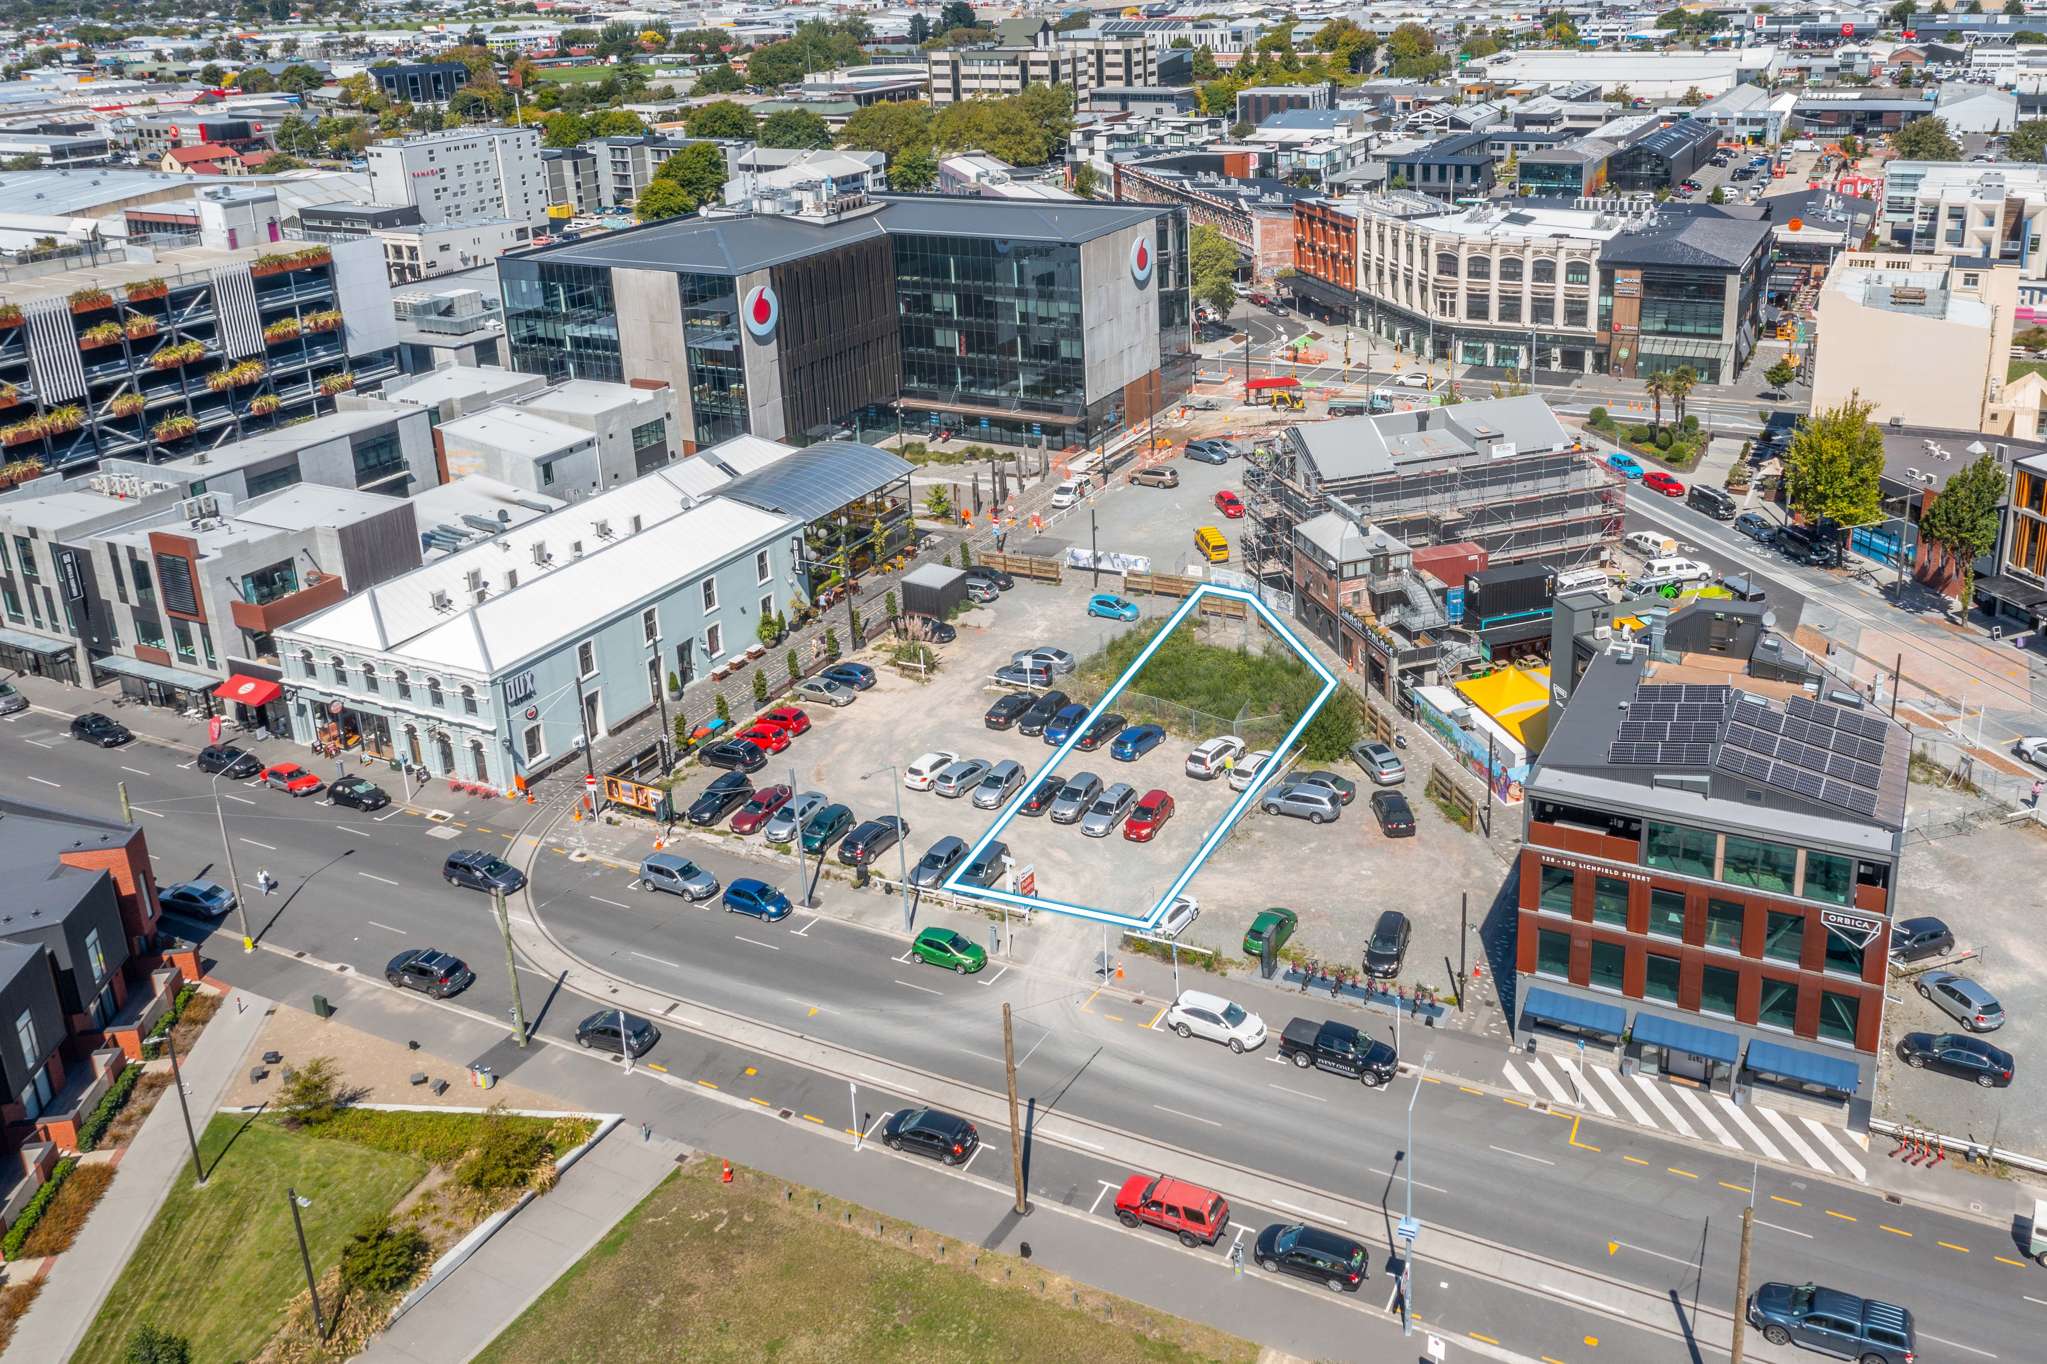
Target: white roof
x,y
524,433
456,381
747,454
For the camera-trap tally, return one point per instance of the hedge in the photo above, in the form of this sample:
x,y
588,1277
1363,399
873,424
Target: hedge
x,y
37,1206
112,1102
443,1138
154,1042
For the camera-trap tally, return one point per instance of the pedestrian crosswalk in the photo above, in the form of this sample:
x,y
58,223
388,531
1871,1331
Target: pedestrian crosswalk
x,y
1693,1114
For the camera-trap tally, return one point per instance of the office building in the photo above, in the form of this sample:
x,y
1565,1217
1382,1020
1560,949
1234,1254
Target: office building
x,y
463,173
1684,288
1231,191
1029,52
1974,211
1924,338
573,184
420,82
570,440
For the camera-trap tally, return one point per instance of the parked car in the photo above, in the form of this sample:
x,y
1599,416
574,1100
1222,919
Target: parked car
x,y
1306,1252
1024,674
871,840
1062,725
1099,731
983,573
1229,504
291,779
1134,742
1379,762
479,870
1148,816
1624,464
998,785
1003,714
1198,1014
1042,795
792,718
1919,938
227,760
95,728
1755,526
1211,757
1194,1214
1968,1003
982,592
937,862
919,775
1959,1055
1207,454
1833,1323
1156,478
199,899
430,971
1343,788
2032,749
826,827
1111,607
676,875
766,737
858,676
1108,810
824,691
986,867
1395,816
1246,770
928,1132
719,799
748,895
783,825
358,793
1338,1048
954,951
1275,925
734,755
12,702
1058,660
1179,916
1387,947
1033,721
760,808
959,777
610,1030
1074,798
1316,804
1658,481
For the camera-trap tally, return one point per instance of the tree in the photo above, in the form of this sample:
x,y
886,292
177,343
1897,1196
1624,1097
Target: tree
x,y
616,123
300,79
1718,196
381,1258
920,29
718,80
1350,47
1693,97
2028,141
1780,374
913,170
148,1345
1926,138
1205,68
1902,12
256,81
2014,7
562,130
1479,45
892,128
312,1093
360,92
1657,386
795,130
956,14
721,118
1413,50
1085,182
209,75
697,174
1212,268
1832,465
1682,381
296,136
1964,519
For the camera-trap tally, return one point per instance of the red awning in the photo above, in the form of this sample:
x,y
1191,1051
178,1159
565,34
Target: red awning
x,y
250,691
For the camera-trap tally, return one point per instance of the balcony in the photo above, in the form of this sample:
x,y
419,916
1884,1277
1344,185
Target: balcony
x,y
278,612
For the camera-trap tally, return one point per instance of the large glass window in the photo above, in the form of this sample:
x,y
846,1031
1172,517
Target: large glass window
x,y
1609,964
1659,980
1784,938
1753,862
562,320
1779,1004
1672,847
1844,958
1610,900
1553,953
1828,877
1586,817
1683,303
1838,1016
717,371
1667,913
1718,988
266,585
1723,924
992,322
380,461
1559,885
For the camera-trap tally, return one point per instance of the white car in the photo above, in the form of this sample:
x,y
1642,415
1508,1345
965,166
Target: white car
x,y
1649,544
2033,749
1247,769
1205,763
919,775
1416,380
1195,1014
1184,910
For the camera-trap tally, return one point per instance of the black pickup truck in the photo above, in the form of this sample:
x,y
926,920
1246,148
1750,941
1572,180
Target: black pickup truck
x,y
1338,1047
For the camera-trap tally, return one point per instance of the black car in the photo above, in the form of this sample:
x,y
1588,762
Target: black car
x,y
1033,721
871,840
1957,1054
928,1132
601,1032
1099,731
1001,581
1312,1253
1395,816
228,760
738,755
720,799
1388,946
429,971
1004,713
1041,798
940,632
482,871
358,793
1920,938
96,728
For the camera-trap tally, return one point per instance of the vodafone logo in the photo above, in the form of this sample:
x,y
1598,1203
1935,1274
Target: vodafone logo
x,y
761,311
1141,260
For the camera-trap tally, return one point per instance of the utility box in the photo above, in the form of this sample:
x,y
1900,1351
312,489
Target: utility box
x,y
933,591
321,1008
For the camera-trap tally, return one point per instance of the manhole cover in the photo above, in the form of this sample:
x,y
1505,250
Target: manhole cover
x,y
579,855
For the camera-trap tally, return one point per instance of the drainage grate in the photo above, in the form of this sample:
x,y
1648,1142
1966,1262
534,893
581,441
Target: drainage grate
x,y
1542,1107
786,1113
440,816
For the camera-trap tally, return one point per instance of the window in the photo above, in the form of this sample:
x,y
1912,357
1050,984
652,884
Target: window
x,y
547,474
306,663
1753,862
1838,1016
369,677
760,566
1559,887
1844,958
1545,272
25,1031
1659,981
533,749
1585,817
1723,924
1610,900
586,657
1828,877
1784,938
1446,264
710,594
1478,267
95,956
266,585
1719,987
768,607
181,636
1667,913
714,641
433,693
1478,307
1778,1007
1553,954
1609,964
1577,272
380,459
1510,270
402,681
1672,847
468,698
650,625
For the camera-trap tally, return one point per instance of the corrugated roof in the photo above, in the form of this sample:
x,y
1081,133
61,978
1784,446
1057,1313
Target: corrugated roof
x,y
817,481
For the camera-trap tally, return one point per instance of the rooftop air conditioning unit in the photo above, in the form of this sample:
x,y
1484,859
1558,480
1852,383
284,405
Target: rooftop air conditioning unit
x,y
439,601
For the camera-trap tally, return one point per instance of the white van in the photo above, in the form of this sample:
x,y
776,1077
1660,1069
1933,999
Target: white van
x,y
1650,544
1068,493
1578,579
1677,570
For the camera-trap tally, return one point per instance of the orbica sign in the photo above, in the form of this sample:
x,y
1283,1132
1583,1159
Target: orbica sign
x,y
761,311
1141,260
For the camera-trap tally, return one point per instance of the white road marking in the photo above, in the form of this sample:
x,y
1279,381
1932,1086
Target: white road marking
x,y
1034,1049
1676,1260
38,743
387,928
351,829
1840,1153
884,1116
1587,1091
1747,1125
1189,1116
1774,1227
1106,1186
39,781
2039,1301
1790,1134
997,976
1618,1084
394,813
369,877
140,811
1523,1155
136,770
1514,1079
1548,1081
656,960
863,1074
613,903
974,1157
1654,1089
243,799
1705,1115
1076,1141
799,933
1318,1216
907,986
1300,1093
1956,1345
770,946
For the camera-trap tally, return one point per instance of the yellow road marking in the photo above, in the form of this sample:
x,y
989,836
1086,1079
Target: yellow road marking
x,y
2015,1264
812,1013
1090,999
1738,1188
1546,1359
1774,1198
753,1099
1516,1102
1892,1230
1157,1016
1950,1245
1842,1215
807,1117
1434,1080
1634,1160
1469,1090
751,1071
1113,1018
1593,1341
707,1084
1476,1336
1581,1145
656,1065
1682,1174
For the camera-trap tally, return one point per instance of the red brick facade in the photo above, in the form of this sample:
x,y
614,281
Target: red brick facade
x,y
135,887
1326,245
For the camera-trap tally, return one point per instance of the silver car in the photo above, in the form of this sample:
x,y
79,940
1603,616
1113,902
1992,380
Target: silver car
x,y
11,700
1074,798
986,869
1974,1007
1380,762
1108,810
1180,915
824,691
782,826
937,862
677,876
199,899
1316,804
999,784
960,777
1058,660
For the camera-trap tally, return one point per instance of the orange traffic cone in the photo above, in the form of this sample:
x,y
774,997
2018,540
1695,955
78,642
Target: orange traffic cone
x,y
725,1174
1478,970
1119,970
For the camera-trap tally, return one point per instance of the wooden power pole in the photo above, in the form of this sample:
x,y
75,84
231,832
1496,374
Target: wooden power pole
x,y
1015,1128
1748,1216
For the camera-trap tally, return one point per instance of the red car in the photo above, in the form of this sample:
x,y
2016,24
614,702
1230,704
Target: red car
x,y
755,812
1147,815
1663,483
790,718
292,778
1229,504
766,737
1258,300
1197,1215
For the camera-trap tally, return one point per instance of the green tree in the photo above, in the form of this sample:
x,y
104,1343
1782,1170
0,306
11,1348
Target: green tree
x,y
312,1093
955,14
1780,374
381,1258
1964,519
795,130
616,123
1718,196
720,118
696,176
1349,46
209,75
1205,68
1212,268
256,81
1682,381
2028,141
913,171
1050,108
1657,386
718,80
1413,52
1085,182
2014,7
563,130
1926,138
920,29
296,136
891,128
1902,12
1833,463
299,79
148,1345
1479,45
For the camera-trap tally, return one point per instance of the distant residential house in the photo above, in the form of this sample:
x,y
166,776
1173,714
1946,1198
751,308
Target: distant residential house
x,y
206,159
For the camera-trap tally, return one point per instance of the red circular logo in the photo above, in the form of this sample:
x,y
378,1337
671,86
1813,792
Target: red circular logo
x,y
1140,260
761,311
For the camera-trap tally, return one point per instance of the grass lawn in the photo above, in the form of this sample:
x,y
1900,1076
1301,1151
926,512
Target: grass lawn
x,y
713,1272
574,75
219,1265
2019,368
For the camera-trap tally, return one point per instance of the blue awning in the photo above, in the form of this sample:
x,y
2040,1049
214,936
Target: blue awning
x,y
1658,1031
1587,1014
1807,1067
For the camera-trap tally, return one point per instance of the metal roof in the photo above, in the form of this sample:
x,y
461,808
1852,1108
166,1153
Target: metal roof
x,y
819,480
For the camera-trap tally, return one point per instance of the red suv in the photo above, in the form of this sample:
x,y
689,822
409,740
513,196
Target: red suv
x,y
1197,1215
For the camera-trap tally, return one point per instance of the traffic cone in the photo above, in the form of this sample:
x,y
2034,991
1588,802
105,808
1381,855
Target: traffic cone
x,y
725,1174
1478,970
1119,970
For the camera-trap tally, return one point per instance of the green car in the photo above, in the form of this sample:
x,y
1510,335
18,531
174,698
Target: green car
x,y
825,827
1277,925
943,947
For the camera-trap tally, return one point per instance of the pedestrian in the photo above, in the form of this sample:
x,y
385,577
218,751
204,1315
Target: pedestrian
x,y
1414,1002
1229,764
263,880
2038,787
646,1133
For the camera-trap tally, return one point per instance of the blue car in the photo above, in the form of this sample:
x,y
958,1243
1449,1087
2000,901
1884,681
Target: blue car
x,y
1135,742
858,676
1624,465
758,898
1208,455
1111,606
1064,723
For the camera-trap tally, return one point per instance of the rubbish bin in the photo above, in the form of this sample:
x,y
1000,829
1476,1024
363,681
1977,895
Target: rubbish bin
x,y
483,1077
321,1008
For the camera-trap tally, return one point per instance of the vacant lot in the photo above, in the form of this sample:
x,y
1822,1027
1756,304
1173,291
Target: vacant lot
x,y
712,1272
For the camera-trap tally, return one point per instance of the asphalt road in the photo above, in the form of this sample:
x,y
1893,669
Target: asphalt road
x,y
1645,1215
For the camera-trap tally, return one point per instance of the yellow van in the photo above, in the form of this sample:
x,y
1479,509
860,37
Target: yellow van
x,y
1210,542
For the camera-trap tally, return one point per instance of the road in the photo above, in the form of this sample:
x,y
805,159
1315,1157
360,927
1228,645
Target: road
x,y
1547,1230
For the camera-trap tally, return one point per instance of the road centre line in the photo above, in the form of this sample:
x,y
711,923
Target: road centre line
x,y
243,799
1189,1116
1787,1230
351,829
1300,1093
1523,1155
657,960
40,782
387,928
1305,1212
1956,1345
371,876
757,942
266,847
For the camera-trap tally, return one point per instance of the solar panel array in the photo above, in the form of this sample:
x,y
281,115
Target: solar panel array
x,y
1670,725
1825,753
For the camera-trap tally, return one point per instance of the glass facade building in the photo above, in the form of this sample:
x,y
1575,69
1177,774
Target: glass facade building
x,y
561,319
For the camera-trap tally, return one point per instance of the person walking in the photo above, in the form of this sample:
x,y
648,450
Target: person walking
x,y
2038,787
264,881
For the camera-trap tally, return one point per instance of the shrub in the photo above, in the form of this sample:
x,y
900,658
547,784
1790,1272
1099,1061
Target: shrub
x,y
1599,417
505,1154
312,1093
148,1345
795,667
831,641
1637,434
1664,438
724,711
381,1258
681,730
760,688
65,1217
95,1126
1690,423
152,1045
10,1245
966,556
443,1139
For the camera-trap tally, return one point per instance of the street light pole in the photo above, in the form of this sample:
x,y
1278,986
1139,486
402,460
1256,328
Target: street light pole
x,y
305,1257
234,881
178,1083
902,855
497,901
1409,1228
